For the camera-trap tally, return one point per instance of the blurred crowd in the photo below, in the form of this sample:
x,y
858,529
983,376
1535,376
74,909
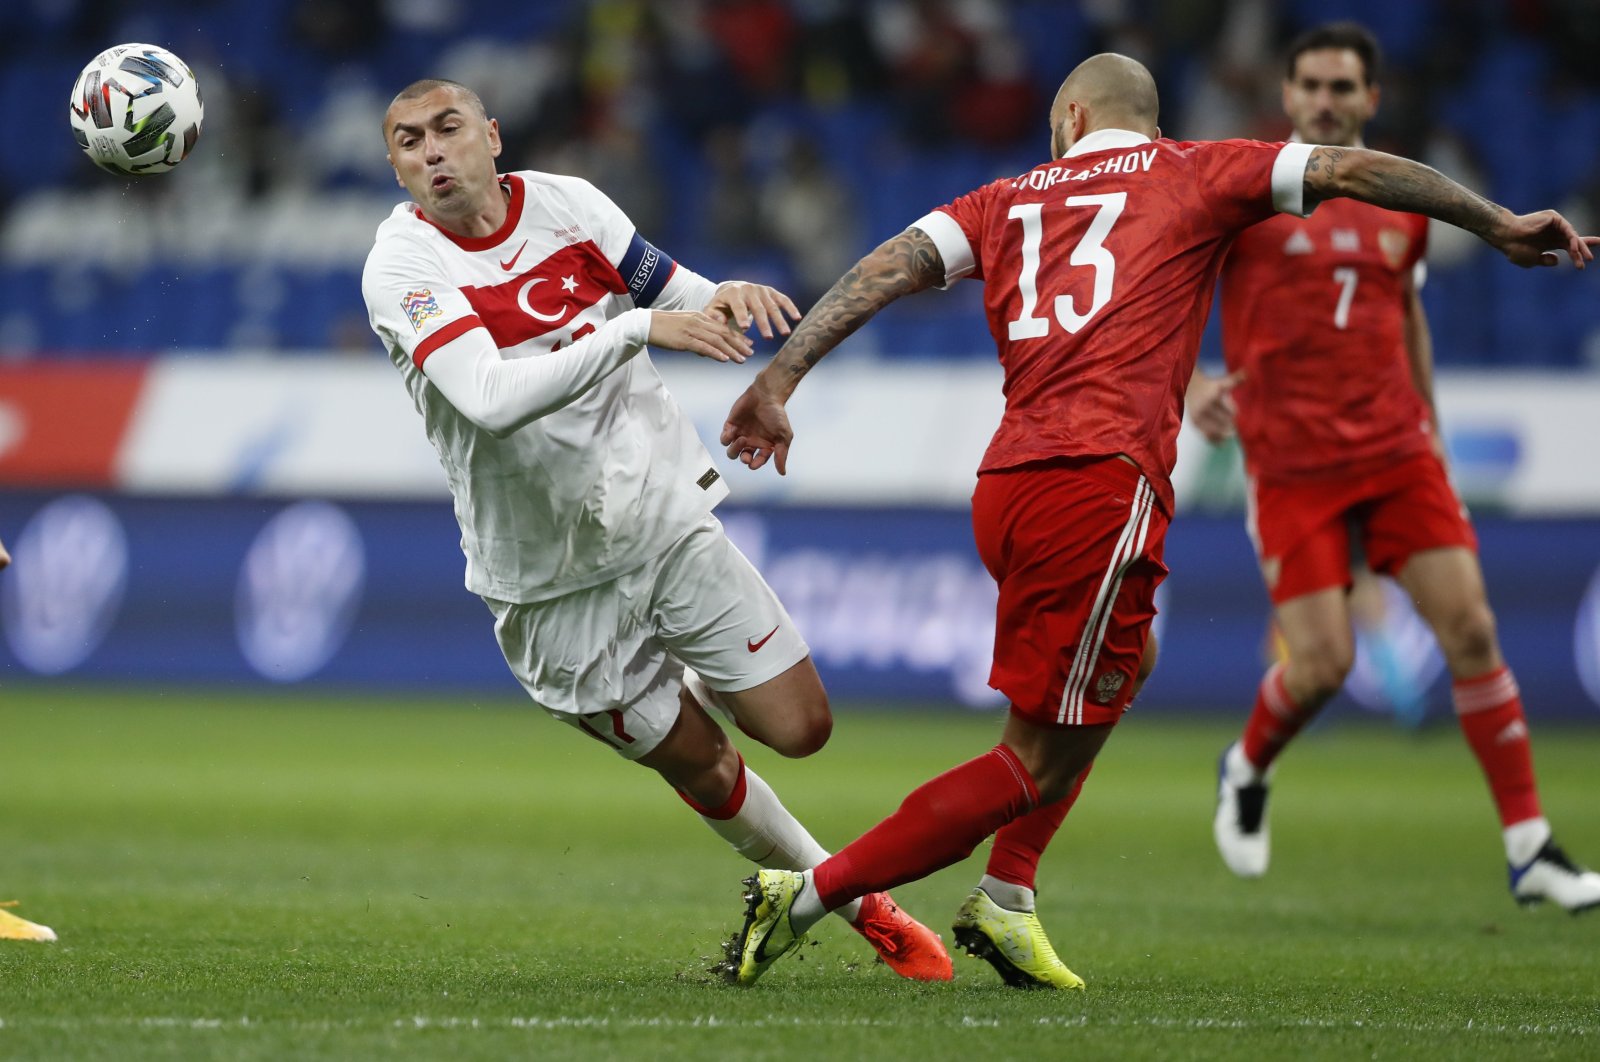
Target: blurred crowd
x,y
777,139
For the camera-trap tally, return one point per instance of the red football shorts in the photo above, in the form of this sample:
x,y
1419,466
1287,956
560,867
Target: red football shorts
x,y
1075,545
1302,529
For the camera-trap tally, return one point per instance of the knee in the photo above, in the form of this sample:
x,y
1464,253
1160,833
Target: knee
x,y
806,728
1319,670
1467,635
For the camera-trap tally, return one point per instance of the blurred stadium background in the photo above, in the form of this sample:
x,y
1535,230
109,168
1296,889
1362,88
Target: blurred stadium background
x,y
209,474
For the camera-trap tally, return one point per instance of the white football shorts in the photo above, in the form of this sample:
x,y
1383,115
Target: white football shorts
x,y
610,659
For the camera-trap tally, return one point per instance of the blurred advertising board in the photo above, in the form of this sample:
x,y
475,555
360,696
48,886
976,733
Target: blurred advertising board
x,y
368,594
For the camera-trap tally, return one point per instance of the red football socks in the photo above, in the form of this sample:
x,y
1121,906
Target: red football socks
x,y
1273,722
1020,843
940,823
1489,708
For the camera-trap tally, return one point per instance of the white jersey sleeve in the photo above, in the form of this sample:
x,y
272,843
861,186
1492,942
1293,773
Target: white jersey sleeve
x,y
501,396
416,309
685,290
411,302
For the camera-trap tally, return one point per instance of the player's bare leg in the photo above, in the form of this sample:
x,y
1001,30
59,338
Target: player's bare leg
x,y
938,824
1009,878
699,760
1447,585
998,921
788,713
1317,633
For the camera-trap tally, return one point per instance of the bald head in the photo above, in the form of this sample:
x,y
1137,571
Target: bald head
x,y
1106,91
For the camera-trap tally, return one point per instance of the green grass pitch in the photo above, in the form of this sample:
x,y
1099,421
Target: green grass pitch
x,y
248,877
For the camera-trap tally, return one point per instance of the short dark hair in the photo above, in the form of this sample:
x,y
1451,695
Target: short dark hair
x,y
428,84
1341,35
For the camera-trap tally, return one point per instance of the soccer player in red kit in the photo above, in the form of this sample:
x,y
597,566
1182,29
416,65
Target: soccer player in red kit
x,y
1331,384
1098,267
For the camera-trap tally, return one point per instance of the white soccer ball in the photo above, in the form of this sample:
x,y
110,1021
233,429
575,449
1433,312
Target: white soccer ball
x,y
136,110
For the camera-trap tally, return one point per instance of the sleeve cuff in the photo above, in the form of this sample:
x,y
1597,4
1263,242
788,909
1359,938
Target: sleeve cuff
x,y
1289,179
954,249
633,326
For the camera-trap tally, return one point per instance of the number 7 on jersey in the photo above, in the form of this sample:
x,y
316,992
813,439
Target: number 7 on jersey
x,y
1090,251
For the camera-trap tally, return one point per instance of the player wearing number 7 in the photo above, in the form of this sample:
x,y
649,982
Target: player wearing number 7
x,y
1098,267
1326,340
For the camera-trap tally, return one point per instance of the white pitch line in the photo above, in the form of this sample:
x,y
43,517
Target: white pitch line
x,y
559,1022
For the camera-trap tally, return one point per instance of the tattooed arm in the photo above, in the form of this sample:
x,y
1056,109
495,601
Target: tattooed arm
x,y
1400,184
757,427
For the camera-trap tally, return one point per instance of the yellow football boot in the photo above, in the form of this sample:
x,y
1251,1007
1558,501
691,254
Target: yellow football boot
x,y
1013,942
767,935
14,928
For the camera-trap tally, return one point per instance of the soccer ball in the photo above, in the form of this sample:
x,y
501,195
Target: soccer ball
x,y
136,110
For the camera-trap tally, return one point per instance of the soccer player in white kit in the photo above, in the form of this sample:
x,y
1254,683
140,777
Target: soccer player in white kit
x,y
517,308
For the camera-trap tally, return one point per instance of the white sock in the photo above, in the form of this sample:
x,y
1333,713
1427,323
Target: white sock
x,y
1524,839
1011,897
807,910
764,832
1237,767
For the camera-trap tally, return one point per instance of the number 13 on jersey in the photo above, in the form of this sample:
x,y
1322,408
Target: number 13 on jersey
x,y
1090,251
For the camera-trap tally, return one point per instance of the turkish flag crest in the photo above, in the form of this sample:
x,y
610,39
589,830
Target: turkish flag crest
x,y
546,297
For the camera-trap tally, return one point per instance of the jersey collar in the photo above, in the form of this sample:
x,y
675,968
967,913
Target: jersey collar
x,y
1106,140
513,184
1294,138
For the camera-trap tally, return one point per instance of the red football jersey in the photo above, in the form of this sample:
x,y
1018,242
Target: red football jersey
x,y
1099,269
1313,311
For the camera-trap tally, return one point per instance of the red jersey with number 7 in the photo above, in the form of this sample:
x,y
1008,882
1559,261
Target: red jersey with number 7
x,y
1313,311
1098,270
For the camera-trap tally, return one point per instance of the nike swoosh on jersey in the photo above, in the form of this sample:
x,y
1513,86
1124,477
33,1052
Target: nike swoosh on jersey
x,y
513,259
753,645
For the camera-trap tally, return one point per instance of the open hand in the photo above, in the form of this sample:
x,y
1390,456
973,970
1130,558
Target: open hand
x,y
757,428
1211,406
1533,240
741,302
698,333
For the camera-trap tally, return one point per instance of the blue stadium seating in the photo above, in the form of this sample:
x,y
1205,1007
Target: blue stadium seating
x,y
1537,143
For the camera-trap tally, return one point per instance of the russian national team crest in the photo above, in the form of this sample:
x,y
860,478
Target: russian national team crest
x,y
1394,244
419,306
1108,686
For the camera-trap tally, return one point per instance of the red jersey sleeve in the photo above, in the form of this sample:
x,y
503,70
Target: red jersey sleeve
x,y
1246,181
1419,242
957,229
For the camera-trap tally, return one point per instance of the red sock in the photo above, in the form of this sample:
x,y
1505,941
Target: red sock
x,y
729,807
1273,722
940,823
1020,843
1489,708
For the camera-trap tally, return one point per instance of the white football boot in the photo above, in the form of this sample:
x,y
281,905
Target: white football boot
x,y
1550,875
1240,826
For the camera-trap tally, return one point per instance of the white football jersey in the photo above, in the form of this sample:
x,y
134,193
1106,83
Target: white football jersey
x,y
602,484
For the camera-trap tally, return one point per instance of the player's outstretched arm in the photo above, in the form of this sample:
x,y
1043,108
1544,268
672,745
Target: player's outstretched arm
x,y
5,558
501,396
757,427
1400,184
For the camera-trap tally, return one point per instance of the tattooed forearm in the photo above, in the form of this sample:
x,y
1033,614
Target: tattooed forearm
x,y
905,264
1398,184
